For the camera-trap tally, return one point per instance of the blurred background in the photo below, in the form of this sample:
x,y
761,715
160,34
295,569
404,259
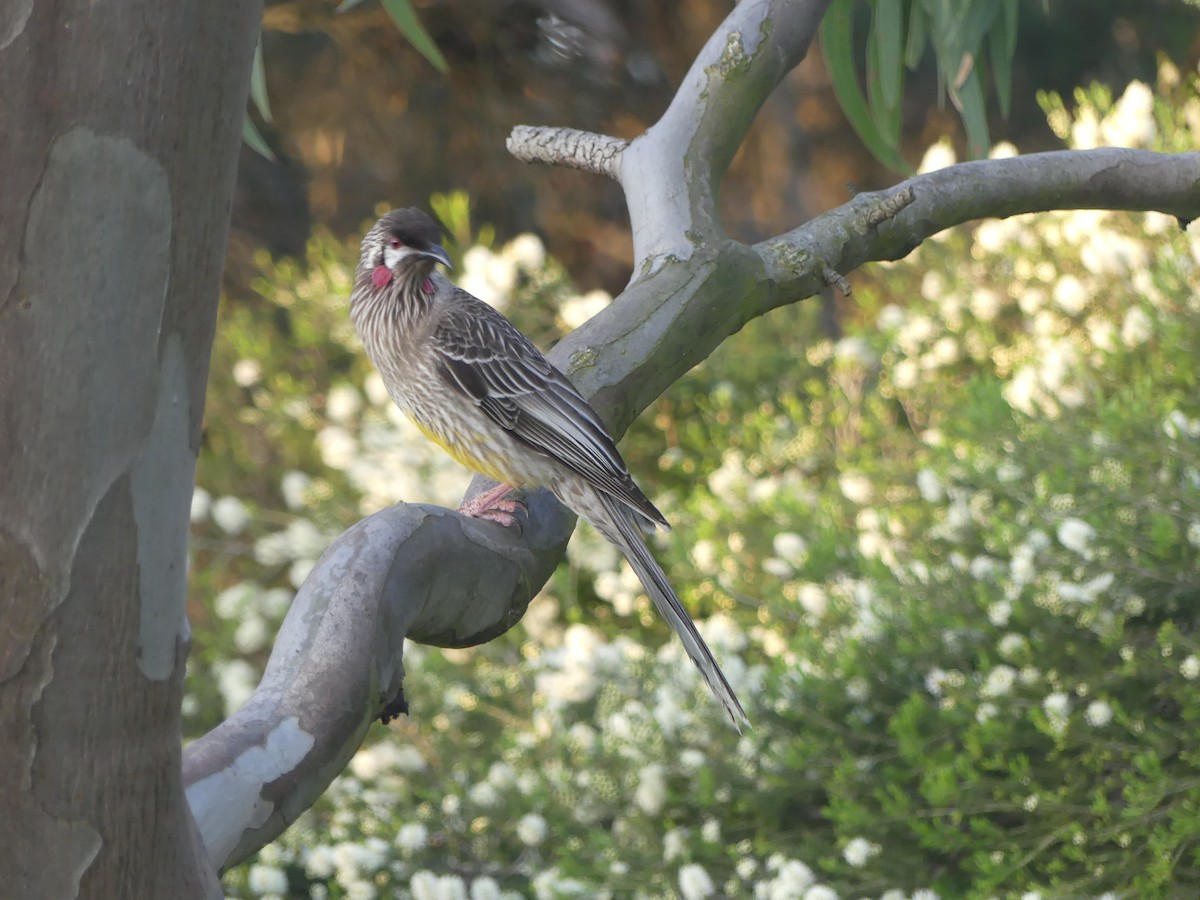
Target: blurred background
x,y
943,535
361,118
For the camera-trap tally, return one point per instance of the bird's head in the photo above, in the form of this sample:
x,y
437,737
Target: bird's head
x,y
405,243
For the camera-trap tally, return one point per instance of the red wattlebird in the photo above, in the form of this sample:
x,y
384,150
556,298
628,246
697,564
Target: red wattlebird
x,y
479,388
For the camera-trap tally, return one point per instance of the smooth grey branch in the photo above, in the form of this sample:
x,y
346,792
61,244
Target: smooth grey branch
x,y
855,233
416,572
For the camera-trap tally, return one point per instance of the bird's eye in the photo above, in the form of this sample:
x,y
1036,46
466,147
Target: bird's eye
x,y
395,243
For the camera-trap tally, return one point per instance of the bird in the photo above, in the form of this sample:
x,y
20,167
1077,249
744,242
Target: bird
x,y
478,387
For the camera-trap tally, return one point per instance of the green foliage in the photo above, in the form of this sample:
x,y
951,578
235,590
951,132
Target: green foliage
x,y
949,562
404,17
897,39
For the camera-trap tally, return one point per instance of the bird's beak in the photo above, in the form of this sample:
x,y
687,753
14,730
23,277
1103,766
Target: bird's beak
x,y
437,253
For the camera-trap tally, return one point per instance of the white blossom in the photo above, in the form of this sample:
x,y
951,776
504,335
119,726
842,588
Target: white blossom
x,y
264,879
577,310
890,317
813,599
999,681
485,888
938,156
318,862
930,486
674,844
1077,536
251,634
412,836
1190,668
201,504
376,390
1057,706
1070,295
532,829
999,613
247,372
695,883
855,487
236,680
1136,328
1011,644
230,514
790,547
651,791
294,486
342,403
1098,714
1131,122
339,449
858,851
986,304
527,251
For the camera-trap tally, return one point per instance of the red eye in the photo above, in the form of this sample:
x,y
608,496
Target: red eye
x,y
395,243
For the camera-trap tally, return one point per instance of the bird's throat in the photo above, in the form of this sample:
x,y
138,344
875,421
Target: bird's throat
x,y
381,277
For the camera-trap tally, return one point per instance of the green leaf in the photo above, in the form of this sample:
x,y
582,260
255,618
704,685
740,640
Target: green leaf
x,y
254,140
837,43
969,101
957,35
885,112
258,83
918,36
1002,45
887,29
402,13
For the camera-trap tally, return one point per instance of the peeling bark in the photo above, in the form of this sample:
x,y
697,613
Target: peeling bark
x,y
123,126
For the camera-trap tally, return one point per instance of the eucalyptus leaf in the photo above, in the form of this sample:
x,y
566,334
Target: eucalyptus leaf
x,y
884,111
405,19
258,83
1002,46
918,35
837,44
254,140
887,27
971,106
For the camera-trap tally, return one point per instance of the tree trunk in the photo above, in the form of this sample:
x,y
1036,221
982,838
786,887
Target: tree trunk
x,y
121,129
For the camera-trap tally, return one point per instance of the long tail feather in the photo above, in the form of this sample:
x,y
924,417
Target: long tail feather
x,y
621,529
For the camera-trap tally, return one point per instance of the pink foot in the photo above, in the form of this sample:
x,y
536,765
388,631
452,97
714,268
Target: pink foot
x,y
492,506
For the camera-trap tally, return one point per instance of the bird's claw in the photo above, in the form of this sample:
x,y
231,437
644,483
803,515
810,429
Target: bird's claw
x,y
505,512
495,506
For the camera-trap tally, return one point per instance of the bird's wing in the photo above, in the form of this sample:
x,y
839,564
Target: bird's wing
x,y
481,354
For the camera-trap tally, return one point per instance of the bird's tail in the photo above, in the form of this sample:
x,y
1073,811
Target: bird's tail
x,y
622,530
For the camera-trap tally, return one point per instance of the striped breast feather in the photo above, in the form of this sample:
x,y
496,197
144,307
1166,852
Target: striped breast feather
x,y
482,355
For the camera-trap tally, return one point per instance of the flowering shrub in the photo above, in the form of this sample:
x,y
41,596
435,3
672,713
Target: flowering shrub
x,y
950,562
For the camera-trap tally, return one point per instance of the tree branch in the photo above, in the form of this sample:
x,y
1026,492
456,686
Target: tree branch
x,y
417,572
875,226
569,147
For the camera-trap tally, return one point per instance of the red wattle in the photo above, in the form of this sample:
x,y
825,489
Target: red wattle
x,y
427,285
381,277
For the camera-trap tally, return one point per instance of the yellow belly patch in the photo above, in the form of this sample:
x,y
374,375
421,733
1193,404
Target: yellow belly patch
x,y
472,453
